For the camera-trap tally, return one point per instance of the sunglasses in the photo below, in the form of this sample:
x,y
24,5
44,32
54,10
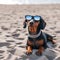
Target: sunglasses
x,y
35,18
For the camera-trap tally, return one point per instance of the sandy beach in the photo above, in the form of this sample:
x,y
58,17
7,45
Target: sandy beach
x,y
13,36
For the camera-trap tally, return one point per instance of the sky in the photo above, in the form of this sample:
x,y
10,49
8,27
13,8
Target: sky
x,y
29,1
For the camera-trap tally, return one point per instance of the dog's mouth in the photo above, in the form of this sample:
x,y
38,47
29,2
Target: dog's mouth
x,y
32,27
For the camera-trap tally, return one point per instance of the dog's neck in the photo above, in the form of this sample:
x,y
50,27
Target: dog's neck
x,y
34,35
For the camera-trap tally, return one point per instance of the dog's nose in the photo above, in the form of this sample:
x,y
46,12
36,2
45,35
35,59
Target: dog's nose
x,y
31,23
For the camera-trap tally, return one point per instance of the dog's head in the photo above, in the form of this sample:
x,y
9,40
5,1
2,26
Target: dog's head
x,y
34,23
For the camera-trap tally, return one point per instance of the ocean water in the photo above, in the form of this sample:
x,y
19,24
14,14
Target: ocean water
x,y
29,1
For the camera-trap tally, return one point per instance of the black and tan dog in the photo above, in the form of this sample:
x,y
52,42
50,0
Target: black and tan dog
x,y
36,39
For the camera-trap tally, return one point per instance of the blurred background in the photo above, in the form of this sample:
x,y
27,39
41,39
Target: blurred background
x,y
29,1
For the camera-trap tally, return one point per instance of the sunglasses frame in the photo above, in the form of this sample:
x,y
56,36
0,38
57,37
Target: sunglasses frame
x,y
32,17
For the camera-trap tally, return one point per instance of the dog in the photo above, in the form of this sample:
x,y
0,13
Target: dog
x,y
36,38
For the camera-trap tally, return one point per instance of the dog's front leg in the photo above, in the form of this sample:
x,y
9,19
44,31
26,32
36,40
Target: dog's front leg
x,y
41,47
29,48
40,51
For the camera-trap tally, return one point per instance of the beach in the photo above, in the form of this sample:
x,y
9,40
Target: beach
x,y
13,36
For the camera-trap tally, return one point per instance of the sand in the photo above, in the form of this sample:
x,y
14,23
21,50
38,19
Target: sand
x,y
13,36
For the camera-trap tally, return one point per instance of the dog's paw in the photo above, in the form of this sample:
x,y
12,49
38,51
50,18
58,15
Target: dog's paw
x,y
28,53
38,54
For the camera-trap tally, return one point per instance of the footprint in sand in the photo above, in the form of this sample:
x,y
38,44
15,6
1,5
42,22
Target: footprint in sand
x,y
10,41
4,28
4,44
57,31
1,53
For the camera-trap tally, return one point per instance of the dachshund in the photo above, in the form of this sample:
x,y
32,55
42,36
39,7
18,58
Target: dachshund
x,y
36,38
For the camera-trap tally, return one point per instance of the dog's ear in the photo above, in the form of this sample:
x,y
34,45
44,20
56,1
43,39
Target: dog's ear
x,y
24,24
42,24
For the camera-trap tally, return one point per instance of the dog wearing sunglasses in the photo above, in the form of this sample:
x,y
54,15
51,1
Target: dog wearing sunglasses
x,y
36,38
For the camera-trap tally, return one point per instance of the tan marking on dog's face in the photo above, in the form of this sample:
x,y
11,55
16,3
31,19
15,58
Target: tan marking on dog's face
x,y
33,28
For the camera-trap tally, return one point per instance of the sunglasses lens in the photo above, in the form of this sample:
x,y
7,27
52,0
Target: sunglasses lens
x,y
28,17
37,18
